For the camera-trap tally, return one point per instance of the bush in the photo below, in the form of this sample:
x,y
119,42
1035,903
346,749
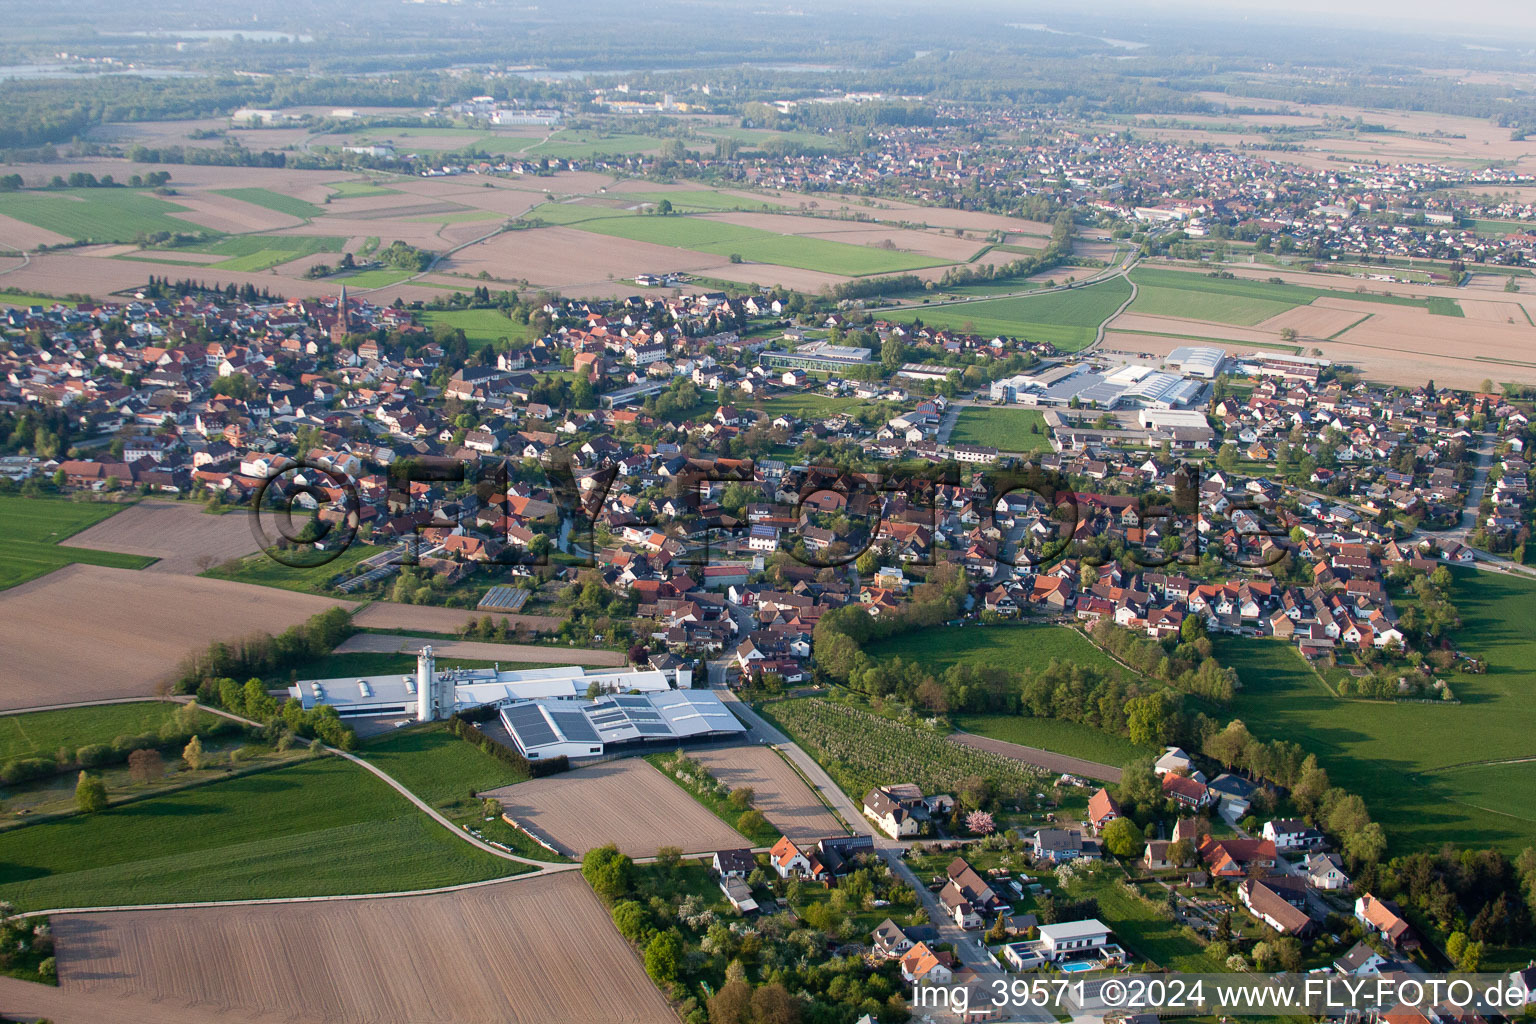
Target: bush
x,y
27,769
94,755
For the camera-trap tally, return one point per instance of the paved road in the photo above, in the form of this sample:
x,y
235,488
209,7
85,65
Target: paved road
x,y
1468,520
969,949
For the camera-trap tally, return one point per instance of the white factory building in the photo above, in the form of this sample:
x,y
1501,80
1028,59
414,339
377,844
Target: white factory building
x,y
430,694
1131,385
1197,360
553,728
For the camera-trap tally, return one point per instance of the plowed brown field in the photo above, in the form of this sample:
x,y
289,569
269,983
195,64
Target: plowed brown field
x,y
783,797
625,802
183,537
531,951
85,632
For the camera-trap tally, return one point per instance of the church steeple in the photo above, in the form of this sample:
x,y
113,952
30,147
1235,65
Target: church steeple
x,y
343,319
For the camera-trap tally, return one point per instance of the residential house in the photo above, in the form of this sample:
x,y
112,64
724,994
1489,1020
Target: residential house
x,y
1290,834
1383,918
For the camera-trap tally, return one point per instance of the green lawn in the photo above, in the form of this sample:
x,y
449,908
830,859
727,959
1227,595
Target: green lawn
x,y
1011,430
481,326
96,214
268,572
273,201
1071,738
43,733
806,406
751,244
316,828
937,649
1067,319
439,767
1402,758
33,527
1140,928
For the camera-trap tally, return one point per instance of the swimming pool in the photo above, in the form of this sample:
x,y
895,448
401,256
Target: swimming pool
x,y
1076,966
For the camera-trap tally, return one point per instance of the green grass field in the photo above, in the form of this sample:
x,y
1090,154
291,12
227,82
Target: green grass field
x,y
700,199
317,828
359,189
25,299
252,253
1015,646
1071,738
42,733
33,527
271,200
96,214
267,572
1067,319
481,326
752,244
382,278
1245,301
805,405
1403,758
1011,430
439,767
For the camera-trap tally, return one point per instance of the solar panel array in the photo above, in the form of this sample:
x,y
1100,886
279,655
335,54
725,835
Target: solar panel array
x,y
528,726
620,718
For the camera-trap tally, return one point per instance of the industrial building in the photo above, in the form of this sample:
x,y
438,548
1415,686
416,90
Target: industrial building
x,y
554,728
1197,360
1129,386
818,356
430,694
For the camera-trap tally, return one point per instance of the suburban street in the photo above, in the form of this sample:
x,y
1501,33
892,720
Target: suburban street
x,y
968,948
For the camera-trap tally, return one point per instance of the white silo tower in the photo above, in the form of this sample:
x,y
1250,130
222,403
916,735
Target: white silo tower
x,y
426,686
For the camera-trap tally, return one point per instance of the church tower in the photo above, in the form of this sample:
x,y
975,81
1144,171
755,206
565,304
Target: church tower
x,y
343,320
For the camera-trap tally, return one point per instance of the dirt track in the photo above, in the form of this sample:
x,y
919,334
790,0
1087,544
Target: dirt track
x,y
529,951
85,632
183,537
1044,758
427,619
477,651
783,797
626,802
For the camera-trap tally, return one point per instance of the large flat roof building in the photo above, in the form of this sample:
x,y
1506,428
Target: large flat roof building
x,y
554,728
454,689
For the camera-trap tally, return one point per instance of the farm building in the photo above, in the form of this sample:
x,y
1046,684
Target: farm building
x,y
552,727
430,694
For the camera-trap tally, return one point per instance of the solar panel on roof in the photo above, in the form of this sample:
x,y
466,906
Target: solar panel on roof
x,y
653,730
575,726
529,727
